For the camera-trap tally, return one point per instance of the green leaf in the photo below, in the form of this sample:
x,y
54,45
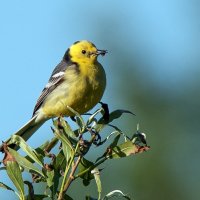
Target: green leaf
x,y
116,193
54,182
96,175
59,162
92,117
112,145
36,197
115,141
2,168
82,167
25,163
117,114
59,165
62,138
63,127
40,150
4,186
79,119
99,126
119,131
30,190
67,197
67,128
123,150
50,178
14,173
67,150
112,116
29,151
90,198
67,146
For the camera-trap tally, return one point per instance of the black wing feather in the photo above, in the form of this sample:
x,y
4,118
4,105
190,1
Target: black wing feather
x,y
52,84
46,91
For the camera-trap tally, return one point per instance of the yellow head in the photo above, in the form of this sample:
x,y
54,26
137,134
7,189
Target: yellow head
x,y
84,52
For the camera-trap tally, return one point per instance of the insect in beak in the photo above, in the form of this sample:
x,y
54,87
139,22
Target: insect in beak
x,y
99,52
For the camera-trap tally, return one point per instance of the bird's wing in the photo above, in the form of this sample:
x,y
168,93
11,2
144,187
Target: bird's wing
x,y
57,77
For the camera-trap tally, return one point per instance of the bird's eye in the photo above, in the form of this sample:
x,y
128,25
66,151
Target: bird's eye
x,y
83,51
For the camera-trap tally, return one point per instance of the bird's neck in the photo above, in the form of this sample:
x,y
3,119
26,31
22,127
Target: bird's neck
x,y
89,69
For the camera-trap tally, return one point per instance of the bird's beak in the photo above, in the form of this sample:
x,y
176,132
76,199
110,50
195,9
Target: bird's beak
x,y
99,52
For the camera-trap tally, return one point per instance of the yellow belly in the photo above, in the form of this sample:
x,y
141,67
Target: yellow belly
x,y
80,92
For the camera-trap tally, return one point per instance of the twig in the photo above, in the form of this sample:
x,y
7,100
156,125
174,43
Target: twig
x,y
65,185
71,176
62,189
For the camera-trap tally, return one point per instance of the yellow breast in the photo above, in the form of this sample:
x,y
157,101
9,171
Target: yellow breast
x,y
81,91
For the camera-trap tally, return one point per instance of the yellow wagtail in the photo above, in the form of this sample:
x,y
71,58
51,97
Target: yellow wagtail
x,y
78,81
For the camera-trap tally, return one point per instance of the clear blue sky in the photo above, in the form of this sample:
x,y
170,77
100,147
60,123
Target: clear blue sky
x,y
163,36
34,36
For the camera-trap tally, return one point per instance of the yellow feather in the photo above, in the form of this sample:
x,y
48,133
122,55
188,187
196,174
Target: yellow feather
x,y
81,89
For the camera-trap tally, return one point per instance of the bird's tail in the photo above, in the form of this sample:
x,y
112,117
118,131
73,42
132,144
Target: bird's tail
x,y
28,129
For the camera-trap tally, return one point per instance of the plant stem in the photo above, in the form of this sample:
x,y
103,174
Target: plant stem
x,y
71,176
65,184
60,196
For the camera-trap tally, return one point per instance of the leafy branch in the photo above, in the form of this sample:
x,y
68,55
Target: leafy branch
x,y
69,163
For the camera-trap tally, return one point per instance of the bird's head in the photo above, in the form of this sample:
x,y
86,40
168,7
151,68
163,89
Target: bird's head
x,y
84,52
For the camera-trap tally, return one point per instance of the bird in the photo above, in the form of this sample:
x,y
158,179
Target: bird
x,y
78,82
